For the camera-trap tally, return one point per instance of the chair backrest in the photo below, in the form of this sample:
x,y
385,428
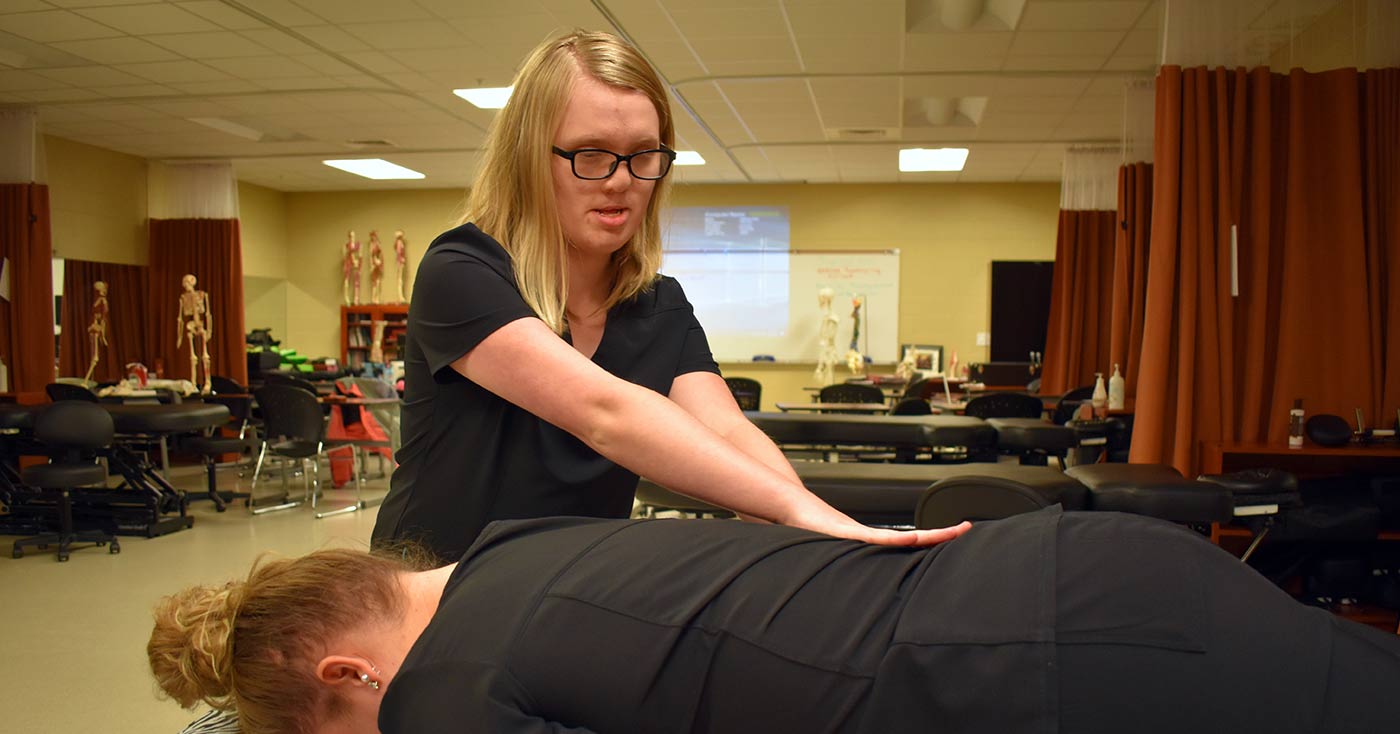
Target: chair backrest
x,y
290,412
923,388
1004,405
372,388
912,406
746,391
278,378
1070,402
226,386
63,391
847,393
75,425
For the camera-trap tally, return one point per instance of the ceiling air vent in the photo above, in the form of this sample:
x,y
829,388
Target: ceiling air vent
x,y
860,133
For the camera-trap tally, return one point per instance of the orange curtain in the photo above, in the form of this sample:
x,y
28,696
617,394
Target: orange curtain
x,y
127,291
1077,337
209,249
26,318
1130,271
1304,167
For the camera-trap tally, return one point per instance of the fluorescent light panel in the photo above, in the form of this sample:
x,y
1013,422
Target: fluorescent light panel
x,y
375,168
689,158
486,98
932,159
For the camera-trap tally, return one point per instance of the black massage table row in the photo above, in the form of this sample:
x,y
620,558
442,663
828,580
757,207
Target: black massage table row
x,y
890,495
145,503
973,437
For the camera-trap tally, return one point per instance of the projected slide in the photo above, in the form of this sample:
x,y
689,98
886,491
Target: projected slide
x,y
733,264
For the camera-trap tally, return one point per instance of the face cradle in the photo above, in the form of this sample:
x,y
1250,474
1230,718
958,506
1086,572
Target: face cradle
x,y
599,217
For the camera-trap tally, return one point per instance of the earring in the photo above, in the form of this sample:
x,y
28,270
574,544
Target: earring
x,y
364,678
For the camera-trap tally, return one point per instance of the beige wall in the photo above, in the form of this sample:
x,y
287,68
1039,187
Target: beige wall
x,y
947,235
98,202
1335,40
316,226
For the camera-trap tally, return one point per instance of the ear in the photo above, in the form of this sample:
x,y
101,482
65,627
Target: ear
x,y
342,670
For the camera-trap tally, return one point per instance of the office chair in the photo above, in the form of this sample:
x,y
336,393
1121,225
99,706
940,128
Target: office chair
x,y
848,393
74,431
294,428
210,448
226,386
1020,429
746,391
64,391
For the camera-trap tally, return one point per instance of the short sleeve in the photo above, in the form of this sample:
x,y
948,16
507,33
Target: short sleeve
x,y
459,299
695,348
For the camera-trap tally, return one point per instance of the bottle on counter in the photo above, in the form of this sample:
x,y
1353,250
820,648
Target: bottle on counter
x,y
1116,387
1100,398
1295,425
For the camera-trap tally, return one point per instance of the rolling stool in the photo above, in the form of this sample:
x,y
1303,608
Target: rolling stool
x,y
75,431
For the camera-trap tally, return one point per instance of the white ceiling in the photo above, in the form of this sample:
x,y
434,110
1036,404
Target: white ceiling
x,y
766,90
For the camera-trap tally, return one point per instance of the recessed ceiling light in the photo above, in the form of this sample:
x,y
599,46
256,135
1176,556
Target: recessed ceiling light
x,y
689,158
486,98
375,168
932,159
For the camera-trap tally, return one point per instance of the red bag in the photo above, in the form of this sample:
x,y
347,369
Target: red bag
x,y
352,423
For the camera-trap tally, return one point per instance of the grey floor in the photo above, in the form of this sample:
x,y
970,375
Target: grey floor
x,y
73,635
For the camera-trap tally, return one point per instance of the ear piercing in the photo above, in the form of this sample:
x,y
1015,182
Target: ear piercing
x,y
365,679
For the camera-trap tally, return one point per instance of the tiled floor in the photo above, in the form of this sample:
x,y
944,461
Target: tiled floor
x,y
73,635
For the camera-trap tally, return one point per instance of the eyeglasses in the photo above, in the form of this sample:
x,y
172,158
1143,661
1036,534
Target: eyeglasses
x,y
596,164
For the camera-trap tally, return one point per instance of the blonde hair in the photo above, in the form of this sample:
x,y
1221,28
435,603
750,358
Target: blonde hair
x,y
253,645
512,198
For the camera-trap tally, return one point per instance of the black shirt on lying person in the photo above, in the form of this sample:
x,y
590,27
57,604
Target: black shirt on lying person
x,y
470,457
1045,622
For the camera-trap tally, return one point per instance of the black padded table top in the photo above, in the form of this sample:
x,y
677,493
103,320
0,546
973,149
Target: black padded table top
x,y
882,494
174,418
899,431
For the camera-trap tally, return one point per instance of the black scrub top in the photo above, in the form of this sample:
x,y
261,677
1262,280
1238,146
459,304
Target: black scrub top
x,y
698,626
468,456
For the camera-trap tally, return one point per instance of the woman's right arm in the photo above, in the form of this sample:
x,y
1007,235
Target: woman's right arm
x,y
527,364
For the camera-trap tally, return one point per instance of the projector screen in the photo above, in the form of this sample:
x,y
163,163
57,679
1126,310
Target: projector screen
x,y
756,296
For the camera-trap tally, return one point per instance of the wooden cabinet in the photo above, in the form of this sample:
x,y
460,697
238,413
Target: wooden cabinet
x,y
361,326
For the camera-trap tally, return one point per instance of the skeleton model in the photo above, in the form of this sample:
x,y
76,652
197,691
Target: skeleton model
x,y
97,330
854,359
401,259
376,266
195,322
350,270
908,366
827,344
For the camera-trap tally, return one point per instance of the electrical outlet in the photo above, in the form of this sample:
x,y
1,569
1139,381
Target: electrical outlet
x,y
984,338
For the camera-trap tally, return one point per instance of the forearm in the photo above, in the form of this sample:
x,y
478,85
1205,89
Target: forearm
x,y
689,458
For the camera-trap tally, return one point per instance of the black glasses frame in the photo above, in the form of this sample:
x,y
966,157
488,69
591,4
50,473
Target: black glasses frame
x,y
617,159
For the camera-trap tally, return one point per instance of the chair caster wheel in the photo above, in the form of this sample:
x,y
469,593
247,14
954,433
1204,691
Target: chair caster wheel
x,y
17,553
63,558
114,549
220,508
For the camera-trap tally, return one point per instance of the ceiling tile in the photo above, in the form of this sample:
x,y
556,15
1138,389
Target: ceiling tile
x,y
91,76
764,21
54,25
747,49
69,94
527,30
278,41
848,54
174,71
24,6
282,12
14,80
835,18
143,19
364,11
1082,15
223,15
209,45
1021,63
298,82
119,112
1065,43
223,86
1133,63
333,38
123,50
406,34
325,64
1058,84
956,51
460,9
131,91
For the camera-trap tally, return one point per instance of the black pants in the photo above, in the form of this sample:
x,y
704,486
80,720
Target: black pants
x,y
1239,655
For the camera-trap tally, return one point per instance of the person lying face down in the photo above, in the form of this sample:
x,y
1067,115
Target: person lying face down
x,y
1044,622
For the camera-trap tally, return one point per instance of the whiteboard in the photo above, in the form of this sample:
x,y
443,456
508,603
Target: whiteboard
x,y
760,303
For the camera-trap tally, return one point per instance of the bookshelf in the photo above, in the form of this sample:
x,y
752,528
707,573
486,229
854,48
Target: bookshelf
x,y
357,331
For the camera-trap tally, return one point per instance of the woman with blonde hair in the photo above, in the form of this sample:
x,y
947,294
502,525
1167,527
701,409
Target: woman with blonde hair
x,y
547,364
1045,622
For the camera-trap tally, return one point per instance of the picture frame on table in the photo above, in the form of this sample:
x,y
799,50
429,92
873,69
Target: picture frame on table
x,y
927,357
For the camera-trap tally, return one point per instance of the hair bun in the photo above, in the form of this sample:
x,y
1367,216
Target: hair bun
x,y
191,646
